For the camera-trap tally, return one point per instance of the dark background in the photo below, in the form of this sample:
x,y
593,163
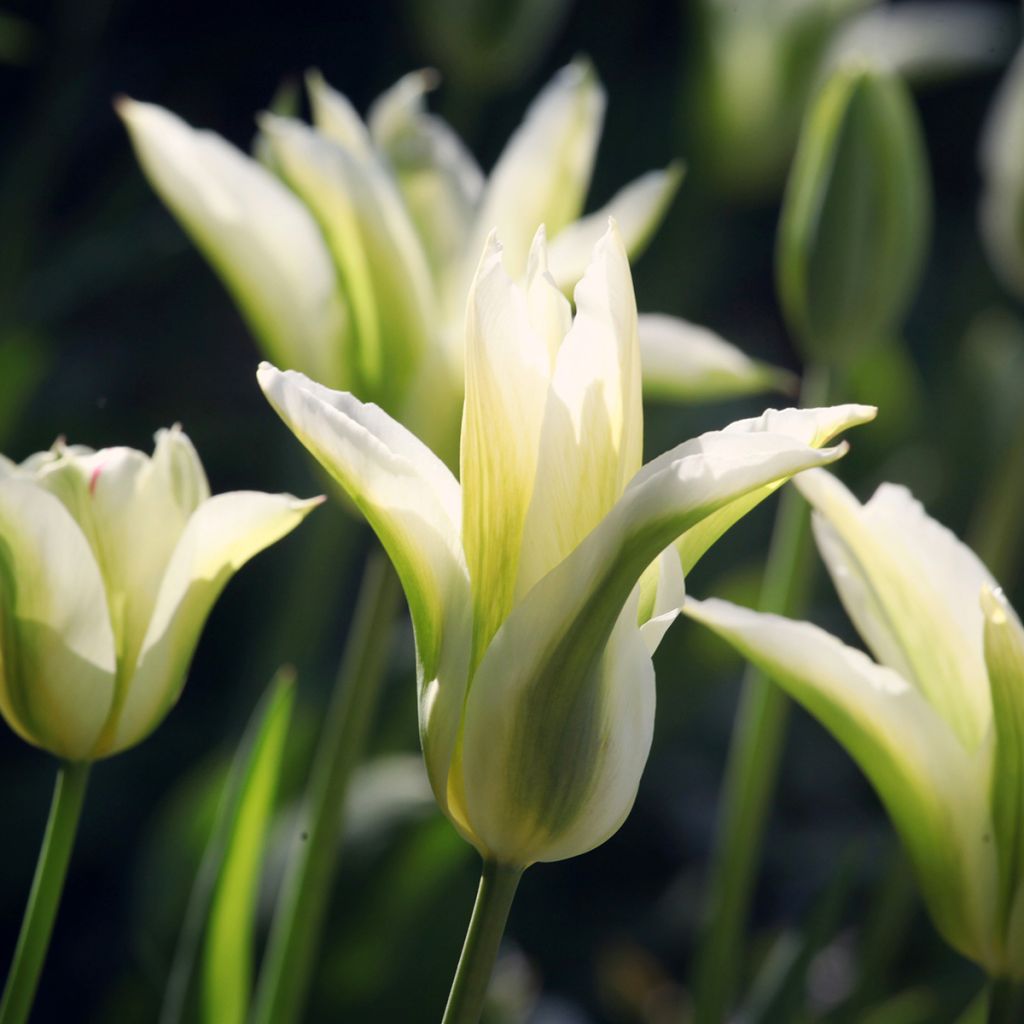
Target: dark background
x,y
111,326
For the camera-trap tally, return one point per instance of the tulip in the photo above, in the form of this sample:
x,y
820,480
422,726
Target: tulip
x,y
533,639
111,561
350,246
534,632
935,721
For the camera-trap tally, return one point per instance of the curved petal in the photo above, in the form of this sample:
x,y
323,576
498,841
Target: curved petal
x,y
221,536
508,367
592,435
414,505
665,594
439,179
911,589
545,660
375,248
638,208
259,238
552,775
685,362
932,787
543,174
57,656
814,427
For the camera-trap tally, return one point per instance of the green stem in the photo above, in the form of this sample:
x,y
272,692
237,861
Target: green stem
x,y
498,884
753,761
1005,1001
43,900
299,914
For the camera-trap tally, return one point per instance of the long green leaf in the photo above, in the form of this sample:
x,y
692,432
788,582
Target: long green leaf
x,y
228,951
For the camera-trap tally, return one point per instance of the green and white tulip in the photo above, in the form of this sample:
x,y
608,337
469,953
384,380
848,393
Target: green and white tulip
x,y
534,632
936,721
350,246
110,562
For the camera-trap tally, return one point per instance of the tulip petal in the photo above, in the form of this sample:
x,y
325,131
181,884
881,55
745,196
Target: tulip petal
x,y
414,505
257,236
221,536
814,427
375,248
927,780
638,208
1004,658
543,174
57,655
508,366
540,677
685,362
591,440
911,589
335,118
439,179
667,596
540,806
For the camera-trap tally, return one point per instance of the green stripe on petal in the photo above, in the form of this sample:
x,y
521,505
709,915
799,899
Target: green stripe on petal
x,y
927,780
1004,658
57,654
534,691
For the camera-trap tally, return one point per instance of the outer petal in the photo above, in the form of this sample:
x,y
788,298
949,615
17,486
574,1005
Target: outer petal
x,y
685,362
544,172
440,181
336,119
638,208
539,686
1004,658
577,773
814,427
414,504
591,441
508,366
57,659
375,247
665,596
221,536
256,234
911,589
930,784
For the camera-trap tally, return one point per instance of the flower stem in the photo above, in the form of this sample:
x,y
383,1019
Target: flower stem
x,y
1005,1002
753,761
43,900
298,918
498,884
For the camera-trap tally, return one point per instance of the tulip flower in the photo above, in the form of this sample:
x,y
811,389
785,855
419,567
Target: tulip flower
x,y
350,246
111,561
935,721
533,637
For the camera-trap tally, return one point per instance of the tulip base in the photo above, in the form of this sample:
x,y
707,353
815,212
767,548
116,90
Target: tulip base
x,y
44,899
498,884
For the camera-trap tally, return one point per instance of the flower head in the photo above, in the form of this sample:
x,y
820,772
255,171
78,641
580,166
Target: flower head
x,y
936,722
110,562
533,632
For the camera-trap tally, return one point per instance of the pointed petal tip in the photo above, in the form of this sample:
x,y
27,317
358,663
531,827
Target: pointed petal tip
x,y
994,604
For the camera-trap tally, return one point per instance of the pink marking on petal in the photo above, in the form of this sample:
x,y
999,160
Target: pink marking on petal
x,y
94,477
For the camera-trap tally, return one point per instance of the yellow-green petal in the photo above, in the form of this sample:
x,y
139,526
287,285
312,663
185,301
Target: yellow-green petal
x,y
57,654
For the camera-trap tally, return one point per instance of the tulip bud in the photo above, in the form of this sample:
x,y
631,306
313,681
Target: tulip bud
x,y
855,218
110,562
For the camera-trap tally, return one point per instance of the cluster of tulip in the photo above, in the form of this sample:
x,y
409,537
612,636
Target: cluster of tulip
x,y
405,295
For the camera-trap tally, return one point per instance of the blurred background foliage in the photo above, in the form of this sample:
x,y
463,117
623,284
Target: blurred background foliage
x,y
111,325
